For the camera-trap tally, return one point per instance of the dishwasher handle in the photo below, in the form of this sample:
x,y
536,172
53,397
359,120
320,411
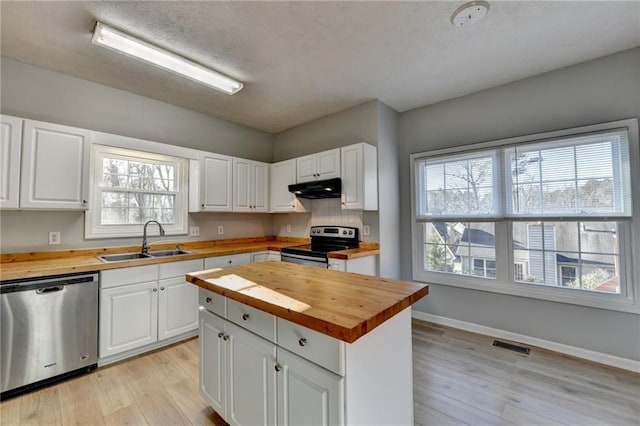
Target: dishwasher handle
x,y
47,290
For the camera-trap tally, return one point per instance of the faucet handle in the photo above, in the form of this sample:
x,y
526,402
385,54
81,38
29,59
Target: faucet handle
x,y
177,246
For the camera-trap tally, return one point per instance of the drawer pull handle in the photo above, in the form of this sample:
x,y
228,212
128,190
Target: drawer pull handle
x,y
245,317
277,367
225,337
155,289
208,300
220,335
302,342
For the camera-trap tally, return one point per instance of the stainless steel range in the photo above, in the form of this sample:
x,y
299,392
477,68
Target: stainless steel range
x,y
323,240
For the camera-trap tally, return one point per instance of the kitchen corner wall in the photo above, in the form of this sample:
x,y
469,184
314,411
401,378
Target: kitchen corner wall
x,y
371,122
40,94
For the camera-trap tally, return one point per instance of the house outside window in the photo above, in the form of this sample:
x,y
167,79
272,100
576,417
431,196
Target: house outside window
x,y
547,216
131,187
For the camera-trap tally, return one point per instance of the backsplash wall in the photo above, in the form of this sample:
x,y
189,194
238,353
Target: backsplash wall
x,y
326,211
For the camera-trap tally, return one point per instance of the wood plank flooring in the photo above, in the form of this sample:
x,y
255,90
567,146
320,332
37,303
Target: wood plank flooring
x,y
459,378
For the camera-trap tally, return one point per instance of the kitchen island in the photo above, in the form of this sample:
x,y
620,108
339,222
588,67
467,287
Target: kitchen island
x,y
288,344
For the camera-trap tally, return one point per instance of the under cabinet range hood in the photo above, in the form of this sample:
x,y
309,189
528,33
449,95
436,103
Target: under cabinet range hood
x,y
329,188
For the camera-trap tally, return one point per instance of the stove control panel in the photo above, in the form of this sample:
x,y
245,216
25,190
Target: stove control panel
x,y
334,232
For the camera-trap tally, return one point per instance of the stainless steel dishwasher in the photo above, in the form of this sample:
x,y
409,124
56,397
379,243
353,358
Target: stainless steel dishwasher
x,y
48,330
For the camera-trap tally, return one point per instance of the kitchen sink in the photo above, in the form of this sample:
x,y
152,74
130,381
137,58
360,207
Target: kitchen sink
x,y
163,253
123,256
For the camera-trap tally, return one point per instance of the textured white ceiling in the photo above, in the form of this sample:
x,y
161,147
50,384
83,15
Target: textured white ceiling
x,y
303,60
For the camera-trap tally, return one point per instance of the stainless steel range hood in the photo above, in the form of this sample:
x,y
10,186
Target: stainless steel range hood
x,y
329,188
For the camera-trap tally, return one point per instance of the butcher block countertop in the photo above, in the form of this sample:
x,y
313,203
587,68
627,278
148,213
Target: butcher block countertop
x,y
41,264
338,304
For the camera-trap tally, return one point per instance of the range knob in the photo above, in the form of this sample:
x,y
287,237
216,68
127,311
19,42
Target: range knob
x,y
350,232
344,232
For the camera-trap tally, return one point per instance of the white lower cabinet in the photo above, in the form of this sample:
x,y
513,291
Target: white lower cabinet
x,y
250,380
237,374
307,394
362,265
143,306
128,317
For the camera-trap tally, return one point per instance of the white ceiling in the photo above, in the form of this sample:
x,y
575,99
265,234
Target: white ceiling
x,y
303,60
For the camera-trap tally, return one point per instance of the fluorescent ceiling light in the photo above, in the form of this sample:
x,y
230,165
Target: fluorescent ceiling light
x,y
121,42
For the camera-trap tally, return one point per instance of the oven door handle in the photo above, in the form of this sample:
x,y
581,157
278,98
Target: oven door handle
x,y
300,256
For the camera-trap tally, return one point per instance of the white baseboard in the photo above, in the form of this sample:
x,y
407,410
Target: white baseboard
x,y
602,358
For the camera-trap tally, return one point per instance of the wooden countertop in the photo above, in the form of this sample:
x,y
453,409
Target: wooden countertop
x,y
339,304
32,265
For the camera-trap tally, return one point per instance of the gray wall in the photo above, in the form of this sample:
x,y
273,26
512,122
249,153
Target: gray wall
x,y
40,94
357,124
601,90
389,194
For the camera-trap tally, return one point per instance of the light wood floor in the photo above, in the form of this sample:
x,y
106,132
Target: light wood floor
x,y
459,378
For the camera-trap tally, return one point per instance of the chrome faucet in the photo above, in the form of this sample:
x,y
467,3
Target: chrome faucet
x,y
145,246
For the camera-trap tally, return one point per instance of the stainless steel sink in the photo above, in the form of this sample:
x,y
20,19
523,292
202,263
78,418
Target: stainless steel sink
x,y
163,253
122,256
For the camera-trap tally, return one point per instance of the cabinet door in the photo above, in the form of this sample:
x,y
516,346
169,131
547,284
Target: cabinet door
x,y
251,381
352,176
306,168
283,174
242,197
128,317
10,145
328,164
260,186
177,307
213,361
308,394
216,173
55,166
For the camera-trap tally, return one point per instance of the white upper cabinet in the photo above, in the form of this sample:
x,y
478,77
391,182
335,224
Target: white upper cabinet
x,y
323,165
10,145
55,166
216,172
283,174
359,177
250,186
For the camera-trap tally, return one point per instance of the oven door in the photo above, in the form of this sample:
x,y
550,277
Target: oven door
x,y
304,260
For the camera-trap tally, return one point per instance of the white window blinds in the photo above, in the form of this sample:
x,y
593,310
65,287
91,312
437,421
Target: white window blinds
x,y
570,177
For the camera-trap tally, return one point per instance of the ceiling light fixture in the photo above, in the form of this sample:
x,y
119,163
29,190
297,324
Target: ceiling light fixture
x,y
121,42
470,13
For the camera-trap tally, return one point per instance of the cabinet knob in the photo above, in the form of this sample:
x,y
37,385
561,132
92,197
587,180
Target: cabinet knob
x,y
202,205
230,261
225,337
302,342
155,289
162,288
220,335
277,367
84,201
245,317
208,300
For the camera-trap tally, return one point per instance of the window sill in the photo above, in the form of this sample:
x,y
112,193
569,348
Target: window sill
x,y
612,302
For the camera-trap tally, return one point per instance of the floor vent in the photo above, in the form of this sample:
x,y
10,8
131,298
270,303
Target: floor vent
x,y
511,347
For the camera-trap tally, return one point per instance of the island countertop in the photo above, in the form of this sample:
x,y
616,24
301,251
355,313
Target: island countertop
x,y
338,304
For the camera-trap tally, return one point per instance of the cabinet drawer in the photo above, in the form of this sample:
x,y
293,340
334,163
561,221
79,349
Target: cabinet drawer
x,y
124,276
213,302
176,269
261,323
221,261
309,344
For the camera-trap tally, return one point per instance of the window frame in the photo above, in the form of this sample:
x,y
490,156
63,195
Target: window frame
x,y
94,229
505,283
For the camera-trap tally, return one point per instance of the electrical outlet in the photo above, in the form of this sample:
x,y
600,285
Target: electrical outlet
x,y
288,228
366,230
54,238
220,230
194,231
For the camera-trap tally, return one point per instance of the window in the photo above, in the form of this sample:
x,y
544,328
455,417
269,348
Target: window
x,y
132,187
546,216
